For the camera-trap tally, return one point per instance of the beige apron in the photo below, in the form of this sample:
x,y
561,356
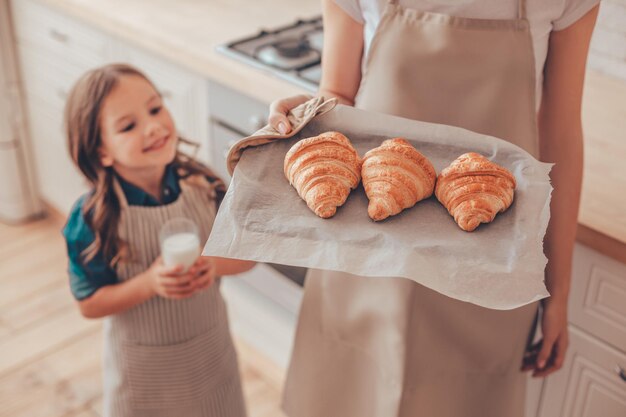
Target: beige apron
x,y
169,358
392,347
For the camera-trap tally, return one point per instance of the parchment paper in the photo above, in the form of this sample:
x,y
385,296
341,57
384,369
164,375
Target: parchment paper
x,y
500,265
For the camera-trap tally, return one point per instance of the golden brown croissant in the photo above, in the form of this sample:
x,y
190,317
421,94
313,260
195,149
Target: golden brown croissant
x,y
395,177
323,169
474,190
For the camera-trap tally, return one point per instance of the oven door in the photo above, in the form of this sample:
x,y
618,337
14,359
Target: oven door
x,y
223,136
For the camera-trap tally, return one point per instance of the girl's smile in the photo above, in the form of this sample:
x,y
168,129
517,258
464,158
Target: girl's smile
x,y
156,145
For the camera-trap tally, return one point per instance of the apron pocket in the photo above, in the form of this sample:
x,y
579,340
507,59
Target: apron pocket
x,y
171,376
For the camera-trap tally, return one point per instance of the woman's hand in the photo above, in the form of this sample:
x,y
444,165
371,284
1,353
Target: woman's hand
x,y
548,354
279,109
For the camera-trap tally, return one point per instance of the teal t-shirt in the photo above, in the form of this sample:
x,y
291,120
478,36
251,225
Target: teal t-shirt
x,y
87,277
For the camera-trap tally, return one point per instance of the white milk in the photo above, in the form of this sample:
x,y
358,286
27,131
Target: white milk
x,y
180,249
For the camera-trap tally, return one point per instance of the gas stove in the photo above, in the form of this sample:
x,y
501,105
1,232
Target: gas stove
x,y
291,52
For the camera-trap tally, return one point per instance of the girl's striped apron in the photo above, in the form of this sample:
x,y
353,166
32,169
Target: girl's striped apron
x,y
170,357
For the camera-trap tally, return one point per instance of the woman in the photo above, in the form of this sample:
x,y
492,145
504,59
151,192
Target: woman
x,y
513,69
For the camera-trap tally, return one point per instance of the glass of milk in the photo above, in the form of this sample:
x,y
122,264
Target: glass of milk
x,y
180,242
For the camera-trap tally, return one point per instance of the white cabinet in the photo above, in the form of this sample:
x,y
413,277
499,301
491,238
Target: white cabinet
x,y
40,27
598,296
19,200
60,181
54,51
589,384
233,117
222,140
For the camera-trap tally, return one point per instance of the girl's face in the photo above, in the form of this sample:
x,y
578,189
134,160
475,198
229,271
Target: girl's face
x,y
138,133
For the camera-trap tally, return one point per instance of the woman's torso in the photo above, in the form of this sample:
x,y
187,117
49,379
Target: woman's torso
x,y
544,16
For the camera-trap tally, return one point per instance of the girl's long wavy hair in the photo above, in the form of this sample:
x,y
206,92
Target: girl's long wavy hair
x,y
102,208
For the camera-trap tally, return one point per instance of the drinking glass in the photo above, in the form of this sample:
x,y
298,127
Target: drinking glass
x,y
180,242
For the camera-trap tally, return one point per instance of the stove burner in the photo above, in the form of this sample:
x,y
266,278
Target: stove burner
x,y
293,53
292,48
316,39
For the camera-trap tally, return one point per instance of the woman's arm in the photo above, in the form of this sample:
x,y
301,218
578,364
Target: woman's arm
x,y
561,142
341,65
342,54
227,266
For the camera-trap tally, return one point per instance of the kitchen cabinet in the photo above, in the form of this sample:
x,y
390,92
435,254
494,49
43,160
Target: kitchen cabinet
x,y
62,181
232,116
598,296
19,200
224,138
54,51
38,26
589,383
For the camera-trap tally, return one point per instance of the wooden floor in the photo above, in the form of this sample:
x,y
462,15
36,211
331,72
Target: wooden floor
x,y
50,355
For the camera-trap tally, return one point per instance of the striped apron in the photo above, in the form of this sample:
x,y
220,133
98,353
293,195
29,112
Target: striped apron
x,y
371,347
169,358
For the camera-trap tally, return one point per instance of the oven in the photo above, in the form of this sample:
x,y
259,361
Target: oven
x,y
292,52
233,117
264,302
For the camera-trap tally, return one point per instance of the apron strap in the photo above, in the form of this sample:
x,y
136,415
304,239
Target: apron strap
x,y
521,10
521,7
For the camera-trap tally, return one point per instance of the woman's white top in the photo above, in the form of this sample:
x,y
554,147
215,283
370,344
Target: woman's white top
x,y
544,16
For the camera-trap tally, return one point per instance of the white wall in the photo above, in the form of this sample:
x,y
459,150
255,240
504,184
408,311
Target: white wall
x,y
608,44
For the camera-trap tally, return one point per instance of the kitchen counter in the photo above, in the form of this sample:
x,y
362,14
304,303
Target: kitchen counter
x,y
187,32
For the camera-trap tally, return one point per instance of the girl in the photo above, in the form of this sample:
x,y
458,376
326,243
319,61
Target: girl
x,y
509,68
168,350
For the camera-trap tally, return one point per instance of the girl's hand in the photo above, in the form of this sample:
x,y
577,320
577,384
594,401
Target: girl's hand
x,y
203,273
548,354
170,282
279,109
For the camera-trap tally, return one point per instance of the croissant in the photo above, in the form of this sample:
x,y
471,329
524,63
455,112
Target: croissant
x,y
323,169
474,190
395,177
